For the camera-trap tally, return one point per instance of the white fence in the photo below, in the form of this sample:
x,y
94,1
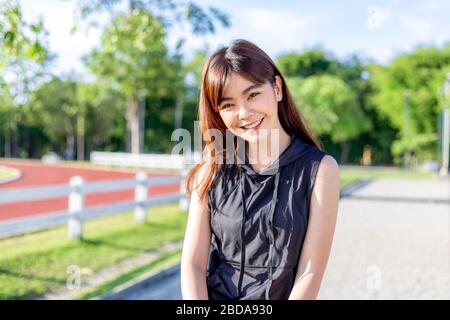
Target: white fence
x,y
76,212
158,161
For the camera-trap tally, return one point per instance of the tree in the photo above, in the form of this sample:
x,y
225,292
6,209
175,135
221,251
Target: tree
x,y
308,63
134,59
69,110
56,109
353,71
133,56
407,94
330,107
22,53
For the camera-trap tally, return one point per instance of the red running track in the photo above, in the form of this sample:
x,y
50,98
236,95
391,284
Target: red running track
x,y
35,173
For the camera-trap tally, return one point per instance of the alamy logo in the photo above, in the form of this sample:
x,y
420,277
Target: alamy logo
x,y
376,17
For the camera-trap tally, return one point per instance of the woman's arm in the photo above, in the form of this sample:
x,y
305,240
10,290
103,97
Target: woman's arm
x,y
319,236
196,246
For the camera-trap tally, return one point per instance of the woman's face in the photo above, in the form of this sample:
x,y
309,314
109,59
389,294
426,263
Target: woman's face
x,y
245,104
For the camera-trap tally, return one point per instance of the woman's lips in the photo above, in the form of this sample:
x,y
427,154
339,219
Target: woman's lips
x,y
254,128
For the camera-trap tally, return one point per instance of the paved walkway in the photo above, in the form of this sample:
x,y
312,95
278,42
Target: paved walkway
x,y
391,242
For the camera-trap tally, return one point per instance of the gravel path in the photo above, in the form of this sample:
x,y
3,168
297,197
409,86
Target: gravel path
x,y
392,244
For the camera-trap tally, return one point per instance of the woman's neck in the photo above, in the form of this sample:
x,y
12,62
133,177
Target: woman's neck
x,y
262,154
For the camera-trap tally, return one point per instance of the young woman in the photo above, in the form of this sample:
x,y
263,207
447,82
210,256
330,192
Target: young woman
x,y
262,227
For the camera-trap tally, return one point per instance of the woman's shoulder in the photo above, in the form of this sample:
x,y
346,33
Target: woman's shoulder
x,y
317,162
321,157
328,166
326,171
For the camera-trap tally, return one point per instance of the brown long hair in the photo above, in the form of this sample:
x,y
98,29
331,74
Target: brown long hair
x,y
250,62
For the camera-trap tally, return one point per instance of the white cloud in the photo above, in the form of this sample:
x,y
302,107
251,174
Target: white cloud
x,y
420,26
273,22
436,5
273,30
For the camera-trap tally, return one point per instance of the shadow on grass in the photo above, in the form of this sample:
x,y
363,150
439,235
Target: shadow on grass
x,y
113,245
33,277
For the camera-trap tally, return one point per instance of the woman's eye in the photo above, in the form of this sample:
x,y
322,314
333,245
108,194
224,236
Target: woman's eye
x,y
254,94
224,107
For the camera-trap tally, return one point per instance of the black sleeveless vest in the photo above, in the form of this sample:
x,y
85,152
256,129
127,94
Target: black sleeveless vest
x,y
258,224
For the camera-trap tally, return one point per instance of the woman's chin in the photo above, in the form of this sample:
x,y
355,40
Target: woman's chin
x,y
253,136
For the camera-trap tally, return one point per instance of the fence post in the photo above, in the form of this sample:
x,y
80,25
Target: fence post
x,y
76,205
140,196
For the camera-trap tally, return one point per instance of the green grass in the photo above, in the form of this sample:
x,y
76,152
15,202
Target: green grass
x,y
36,263
6,173
88,164
349,176
155,266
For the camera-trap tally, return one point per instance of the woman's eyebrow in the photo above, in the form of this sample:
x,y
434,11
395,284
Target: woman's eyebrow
x,y
253,86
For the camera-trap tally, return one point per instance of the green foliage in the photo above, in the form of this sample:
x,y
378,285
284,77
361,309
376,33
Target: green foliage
x,y
311,62
23,52
407,92
19,39
64,108
329,106
133,55
355,120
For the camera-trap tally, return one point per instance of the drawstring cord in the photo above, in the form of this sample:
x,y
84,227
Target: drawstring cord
x,y
244,214
270,233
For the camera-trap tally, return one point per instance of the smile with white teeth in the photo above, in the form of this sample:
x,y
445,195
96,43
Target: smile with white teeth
x,y
253,125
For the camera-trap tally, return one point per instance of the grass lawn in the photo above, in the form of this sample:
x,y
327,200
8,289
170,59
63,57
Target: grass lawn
x,y
38,262
349,176
6,173
88,164
155,266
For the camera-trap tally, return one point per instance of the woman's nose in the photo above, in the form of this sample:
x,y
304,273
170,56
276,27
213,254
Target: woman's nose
x,y
245,112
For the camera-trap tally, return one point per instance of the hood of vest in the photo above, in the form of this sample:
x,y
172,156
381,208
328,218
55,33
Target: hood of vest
x,y
296,149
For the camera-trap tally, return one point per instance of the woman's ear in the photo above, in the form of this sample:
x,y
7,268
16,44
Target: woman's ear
x,y
278,88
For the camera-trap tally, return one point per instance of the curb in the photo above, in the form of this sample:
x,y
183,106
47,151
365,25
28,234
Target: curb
x,y
128,289
355,186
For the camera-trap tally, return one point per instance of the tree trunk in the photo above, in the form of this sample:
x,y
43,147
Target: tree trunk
x,y
141,124
14,140
135,125
80,138
27,141
70,146
7,142
345,151
178,113
128,137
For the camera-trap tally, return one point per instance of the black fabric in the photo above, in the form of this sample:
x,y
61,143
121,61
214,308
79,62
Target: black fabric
x,y
258,224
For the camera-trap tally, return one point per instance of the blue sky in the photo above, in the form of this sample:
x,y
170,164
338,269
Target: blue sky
x,y
374,29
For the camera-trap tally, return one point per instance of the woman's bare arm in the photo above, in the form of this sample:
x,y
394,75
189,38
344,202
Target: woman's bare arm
x,y
196,246
319,236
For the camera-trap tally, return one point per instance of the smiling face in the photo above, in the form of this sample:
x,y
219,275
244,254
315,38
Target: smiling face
x,y
250,110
